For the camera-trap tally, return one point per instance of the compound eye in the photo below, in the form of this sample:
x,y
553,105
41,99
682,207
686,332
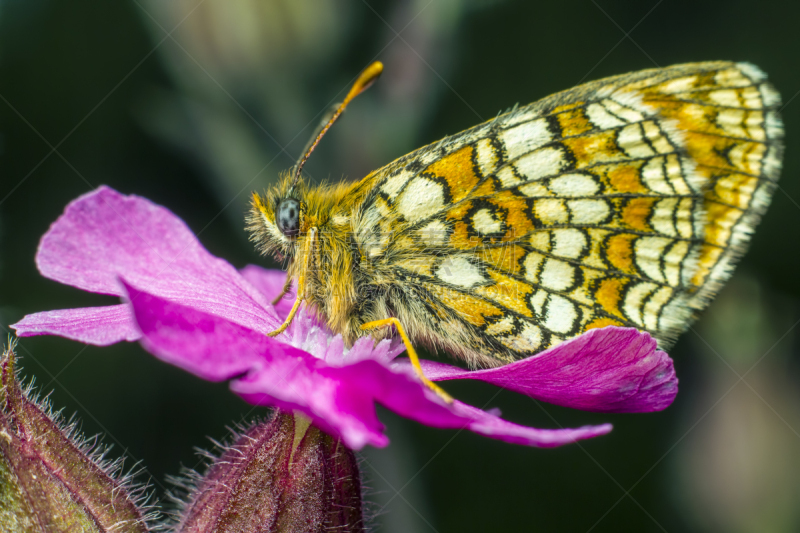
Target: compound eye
x,y
289,217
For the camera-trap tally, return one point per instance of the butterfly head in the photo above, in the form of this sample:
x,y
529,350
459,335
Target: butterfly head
x,y
277,218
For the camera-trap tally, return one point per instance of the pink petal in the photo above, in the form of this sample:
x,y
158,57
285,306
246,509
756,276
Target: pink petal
x,y
92,325
606,370
340,399
369,381
270,283
204,344
104,235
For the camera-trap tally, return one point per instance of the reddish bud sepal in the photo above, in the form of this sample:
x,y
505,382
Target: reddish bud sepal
x,y
280,475
52,481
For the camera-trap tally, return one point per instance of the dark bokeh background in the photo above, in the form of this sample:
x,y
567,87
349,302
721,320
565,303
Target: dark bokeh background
x,y
193,104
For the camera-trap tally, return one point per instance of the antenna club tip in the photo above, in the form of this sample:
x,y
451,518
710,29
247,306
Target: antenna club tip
x,y
365,79
376,68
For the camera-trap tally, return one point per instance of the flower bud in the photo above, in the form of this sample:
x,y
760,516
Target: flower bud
x,y
281,475
51,481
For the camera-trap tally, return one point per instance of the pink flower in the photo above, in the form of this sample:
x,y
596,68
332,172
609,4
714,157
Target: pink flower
x,y
198,312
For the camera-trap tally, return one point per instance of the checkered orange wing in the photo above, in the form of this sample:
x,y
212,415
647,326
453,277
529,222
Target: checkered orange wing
x,y
625,201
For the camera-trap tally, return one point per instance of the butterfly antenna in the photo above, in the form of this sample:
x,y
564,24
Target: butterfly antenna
x,y
365,79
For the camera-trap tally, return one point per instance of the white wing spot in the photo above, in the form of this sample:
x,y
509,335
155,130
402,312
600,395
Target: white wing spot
x,y
460,272
648,252
433,234
535,190
501,326
540,163
526,137
528,340
770,96
653,306
631,141
532,263
679,85
602,118
634,300
551,211
393,184
420,199
557,275
486,157
752,71
485,223
653,176
507,177
574,185
732,77
726,97
622,111
561,314
588,211
569,243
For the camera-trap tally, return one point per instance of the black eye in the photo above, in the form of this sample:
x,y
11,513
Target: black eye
x,y
289,217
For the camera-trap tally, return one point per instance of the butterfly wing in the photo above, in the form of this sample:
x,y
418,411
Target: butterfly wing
x,y
625,201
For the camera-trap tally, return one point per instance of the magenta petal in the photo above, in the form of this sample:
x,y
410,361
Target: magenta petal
x,y
104,235
215,349
491,425
206,345
606,370
306,385
404,394
270,283
92,325
339,399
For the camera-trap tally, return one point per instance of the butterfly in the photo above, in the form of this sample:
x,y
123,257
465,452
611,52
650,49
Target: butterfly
x,y
626,201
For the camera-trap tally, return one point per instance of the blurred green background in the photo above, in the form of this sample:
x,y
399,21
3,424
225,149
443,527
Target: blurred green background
x,y
194,103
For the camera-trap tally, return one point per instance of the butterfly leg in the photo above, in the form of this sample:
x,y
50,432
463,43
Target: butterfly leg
x,y
301,283
286,288
289,318
412,354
